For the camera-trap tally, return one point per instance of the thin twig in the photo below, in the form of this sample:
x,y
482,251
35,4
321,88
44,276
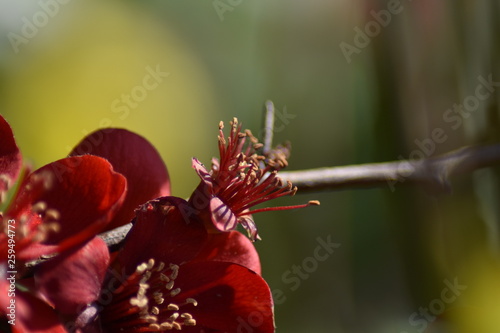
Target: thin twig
x,y
268,127
434,173
114,238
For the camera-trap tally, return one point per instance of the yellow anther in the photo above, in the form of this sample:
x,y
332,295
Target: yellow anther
x,y
139,302
190,322
141,268
192,301
186,315
175,292
151,263
173,307
52,214
160,267
174,316
166,326
39,207
170,285
154,327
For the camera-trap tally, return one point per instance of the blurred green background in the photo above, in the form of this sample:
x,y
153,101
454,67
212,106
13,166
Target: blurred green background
x,y
354,82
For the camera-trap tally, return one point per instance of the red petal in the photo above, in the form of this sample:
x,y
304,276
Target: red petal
x,y
72,280
202,173
163,231
135,158
222,216
83,191
231,247
230,297
32,315
10,157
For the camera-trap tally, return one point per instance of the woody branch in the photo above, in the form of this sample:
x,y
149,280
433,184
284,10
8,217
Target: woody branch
x,y
433,173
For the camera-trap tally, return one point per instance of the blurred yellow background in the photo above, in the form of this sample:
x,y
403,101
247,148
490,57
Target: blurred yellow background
x,y
353,81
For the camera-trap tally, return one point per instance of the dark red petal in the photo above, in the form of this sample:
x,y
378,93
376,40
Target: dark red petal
x,y
32,315
135,158
163,230
10,157
231,247
81,195
230,297
202,173
222,216
248,223
73,279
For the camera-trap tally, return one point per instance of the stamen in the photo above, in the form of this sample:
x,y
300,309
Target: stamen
x,y
6,179
147,310
160,266
154,327
166,326
39,207
170,285
141,268
175,292
190,322
269,209
52,214
174,316
173,307
175,271
151,263
139,302
243,178
191,301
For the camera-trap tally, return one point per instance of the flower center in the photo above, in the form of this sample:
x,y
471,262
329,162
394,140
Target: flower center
x,y
148,301
241,179
31,223
31,227
5,182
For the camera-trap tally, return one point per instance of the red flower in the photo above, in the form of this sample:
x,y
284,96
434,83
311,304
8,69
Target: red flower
x,y
56,207
63,205
134,157
240,180
158,281
182,266
67,202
